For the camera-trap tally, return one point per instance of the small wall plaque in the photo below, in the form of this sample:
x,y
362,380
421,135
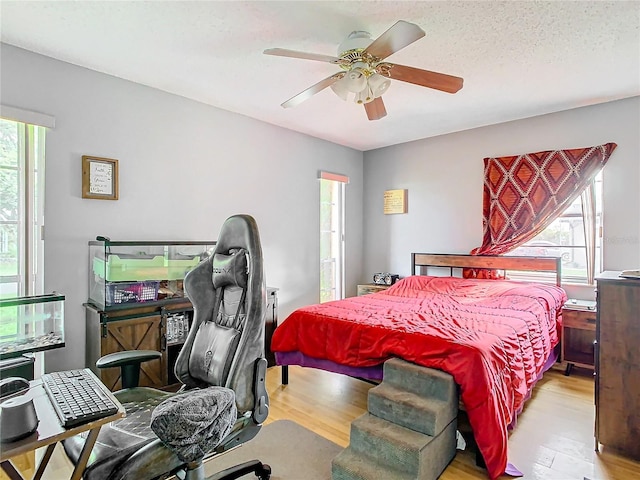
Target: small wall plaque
x,y
395,201
99,178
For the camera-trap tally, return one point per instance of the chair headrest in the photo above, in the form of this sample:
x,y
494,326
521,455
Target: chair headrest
x,y
230,269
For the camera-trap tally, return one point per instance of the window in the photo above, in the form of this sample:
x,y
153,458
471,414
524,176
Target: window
x,y
565,238
21,208
332,239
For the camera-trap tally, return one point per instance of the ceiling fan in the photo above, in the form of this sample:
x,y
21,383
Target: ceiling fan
x,y
365,75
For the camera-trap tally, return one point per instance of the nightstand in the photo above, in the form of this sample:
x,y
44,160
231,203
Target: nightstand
x,y
367,288
578,333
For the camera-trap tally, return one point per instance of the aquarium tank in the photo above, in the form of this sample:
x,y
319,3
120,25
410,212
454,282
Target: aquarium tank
x,y
31,324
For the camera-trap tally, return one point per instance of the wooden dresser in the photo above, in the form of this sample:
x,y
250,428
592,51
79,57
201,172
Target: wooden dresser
x,y
618,364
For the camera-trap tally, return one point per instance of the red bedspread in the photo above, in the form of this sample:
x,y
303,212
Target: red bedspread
x,y
493,336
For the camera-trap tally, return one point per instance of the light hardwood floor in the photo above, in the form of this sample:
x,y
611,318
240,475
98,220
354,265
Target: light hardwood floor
x,y
552,441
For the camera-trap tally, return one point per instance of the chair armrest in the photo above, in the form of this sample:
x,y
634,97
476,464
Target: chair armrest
x,y
129,362
128,357
261,397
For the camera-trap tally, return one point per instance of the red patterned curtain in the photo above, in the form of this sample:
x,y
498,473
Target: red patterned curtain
x,y
523,194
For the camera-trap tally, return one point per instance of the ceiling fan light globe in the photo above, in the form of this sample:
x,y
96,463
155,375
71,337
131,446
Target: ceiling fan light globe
x,y
378,84
356,81
341,89
354,75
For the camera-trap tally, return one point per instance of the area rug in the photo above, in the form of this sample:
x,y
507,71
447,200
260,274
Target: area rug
x,y
292,451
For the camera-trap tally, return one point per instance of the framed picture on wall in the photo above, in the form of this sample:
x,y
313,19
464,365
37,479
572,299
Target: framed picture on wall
x,y
395,201
99,178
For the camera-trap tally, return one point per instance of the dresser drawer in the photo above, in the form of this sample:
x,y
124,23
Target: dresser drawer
x,y
582,320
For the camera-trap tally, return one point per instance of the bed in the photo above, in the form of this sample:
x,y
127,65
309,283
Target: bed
x,y
496,337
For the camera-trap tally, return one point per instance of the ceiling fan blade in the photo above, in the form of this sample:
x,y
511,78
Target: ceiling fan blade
x,y
312,90
375,110
396,38
417,76
283,52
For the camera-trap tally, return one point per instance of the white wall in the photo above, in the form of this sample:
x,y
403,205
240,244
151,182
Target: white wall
x,y
184,168
444,178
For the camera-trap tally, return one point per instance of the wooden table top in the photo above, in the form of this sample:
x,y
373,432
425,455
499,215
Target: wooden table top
x,y
49,428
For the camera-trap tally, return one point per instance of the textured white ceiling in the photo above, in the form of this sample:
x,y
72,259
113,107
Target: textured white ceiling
x,y
518,58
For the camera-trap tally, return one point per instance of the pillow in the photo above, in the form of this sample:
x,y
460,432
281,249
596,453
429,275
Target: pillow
x,y
212,353
484,273
193,423
231,269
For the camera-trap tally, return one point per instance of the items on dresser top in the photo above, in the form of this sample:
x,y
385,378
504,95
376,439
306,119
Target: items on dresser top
x,y
587,305
385,278
630,274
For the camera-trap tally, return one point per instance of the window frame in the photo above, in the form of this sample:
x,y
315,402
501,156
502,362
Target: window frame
x,y
598,225
29,210
337,289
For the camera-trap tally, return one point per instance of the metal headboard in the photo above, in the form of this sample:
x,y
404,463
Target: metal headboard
x,y
451,261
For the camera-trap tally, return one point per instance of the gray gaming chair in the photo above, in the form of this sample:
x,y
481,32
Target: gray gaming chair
x,y
221,360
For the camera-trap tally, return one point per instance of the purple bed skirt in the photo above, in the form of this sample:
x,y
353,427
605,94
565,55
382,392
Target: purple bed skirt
x,y
375,372
298,358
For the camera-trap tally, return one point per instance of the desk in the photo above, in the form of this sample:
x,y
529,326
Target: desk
x,y
51,432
